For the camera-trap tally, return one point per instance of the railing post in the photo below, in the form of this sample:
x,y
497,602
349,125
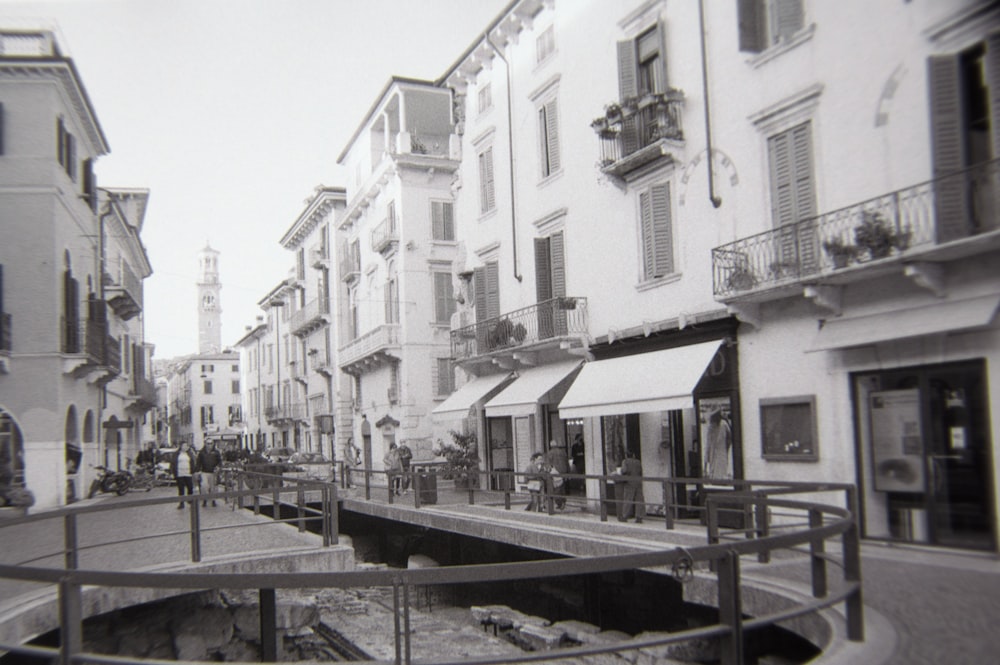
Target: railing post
x,y
70,541
852,572
602,492
763,526
268,630
416,490
712,521
816,555
397,633
368,484
406,623
333,512
730,609
300,500
195,532
668,505
240,485
70,620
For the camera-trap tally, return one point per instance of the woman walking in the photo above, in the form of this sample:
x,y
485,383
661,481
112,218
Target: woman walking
x,y
183,466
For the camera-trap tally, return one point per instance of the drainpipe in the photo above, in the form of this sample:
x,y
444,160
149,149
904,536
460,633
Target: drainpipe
x,y
510,147
102,442
716,201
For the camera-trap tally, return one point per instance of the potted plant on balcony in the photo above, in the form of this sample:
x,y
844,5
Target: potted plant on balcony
x,y
876,236
840,252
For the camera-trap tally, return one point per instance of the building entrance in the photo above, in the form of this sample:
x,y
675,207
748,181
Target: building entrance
x,y
926,454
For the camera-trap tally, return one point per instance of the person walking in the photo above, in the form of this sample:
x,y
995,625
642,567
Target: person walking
x,y
558,460
578,461
405,455
632,500
183,465
209,462
393,467
535,475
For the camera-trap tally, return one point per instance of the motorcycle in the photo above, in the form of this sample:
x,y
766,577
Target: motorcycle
x,y
108,482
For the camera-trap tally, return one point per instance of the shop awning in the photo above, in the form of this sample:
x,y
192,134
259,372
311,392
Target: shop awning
x,y
459,402
654,381
545,384
937,317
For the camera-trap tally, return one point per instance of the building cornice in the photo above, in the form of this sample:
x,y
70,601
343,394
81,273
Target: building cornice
x,y
318,207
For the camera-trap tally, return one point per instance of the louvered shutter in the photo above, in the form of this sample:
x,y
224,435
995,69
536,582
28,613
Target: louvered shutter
x,y
543,287
387,300
948,146
782,194
805,198
493,289
448,220
444,304
551,136
789,18
662,246
646,227
751,25
628,87
486,187
557,263
482,309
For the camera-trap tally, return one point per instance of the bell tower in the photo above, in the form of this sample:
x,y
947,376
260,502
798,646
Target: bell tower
x,y
209,305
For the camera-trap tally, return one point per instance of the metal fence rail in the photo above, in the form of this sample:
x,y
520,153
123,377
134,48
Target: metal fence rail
x,y
314,500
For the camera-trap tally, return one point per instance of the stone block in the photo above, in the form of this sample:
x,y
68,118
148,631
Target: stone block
x,y
541,638
576,630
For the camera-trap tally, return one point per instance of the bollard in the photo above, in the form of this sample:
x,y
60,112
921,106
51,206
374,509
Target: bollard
x,y
817,560
70,540
195,532
70,621
730,609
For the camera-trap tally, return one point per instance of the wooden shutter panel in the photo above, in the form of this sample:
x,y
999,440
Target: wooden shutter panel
x,y
479,286
551,138
947,146
443,301
805,198
991,62
493,289
751,25
646,227
662,245
661,71
789,18
448,220
557,262
543,273
628,86
437,223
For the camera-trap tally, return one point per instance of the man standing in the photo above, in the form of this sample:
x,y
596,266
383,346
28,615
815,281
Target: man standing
x,y
559,461
632,500
209,461
405,455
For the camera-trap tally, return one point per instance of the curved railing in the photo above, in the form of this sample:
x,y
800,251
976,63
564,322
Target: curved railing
x,y
818,524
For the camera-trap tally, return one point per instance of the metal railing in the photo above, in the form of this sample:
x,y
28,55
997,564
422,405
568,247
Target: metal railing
x,y
384,234
315,313
634,124
295,411
955,206
316,501
550,319
383,337
350,262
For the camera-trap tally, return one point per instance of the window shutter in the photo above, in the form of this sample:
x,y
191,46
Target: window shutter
x,y
543,273
558,265
662,246
493,289
805,205
444,304
789,18
779,154
628,86
991,63
387,301
646,224
479,285
751,25
486,188
661,70
90,184
947,146
1,128
551,139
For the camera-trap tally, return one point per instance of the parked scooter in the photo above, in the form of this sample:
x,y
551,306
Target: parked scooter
x,y
108,482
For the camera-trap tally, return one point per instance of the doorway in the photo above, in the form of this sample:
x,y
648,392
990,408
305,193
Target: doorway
x,y
926,454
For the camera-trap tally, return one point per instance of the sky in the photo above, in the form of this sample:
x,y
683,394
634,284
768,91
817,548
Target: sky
x,y
231,112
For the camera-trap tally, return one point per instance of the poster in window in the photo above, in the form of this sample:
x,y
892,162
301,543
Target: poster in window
x,y
788,428
897,446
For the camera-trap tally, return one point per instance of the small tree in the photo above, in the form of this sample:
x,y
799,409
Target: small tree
x,y
461,456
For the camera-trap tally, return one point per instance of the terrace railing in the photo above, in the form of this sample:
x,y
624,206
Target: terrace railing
x,y
952,207
550,319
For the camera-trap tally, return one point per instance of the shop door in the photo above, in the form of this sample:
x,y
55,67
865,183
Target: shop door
x,y
931,453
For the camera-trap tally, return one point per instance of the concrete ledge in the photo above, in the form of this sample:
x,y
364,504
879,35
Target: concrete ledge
x,y
29,615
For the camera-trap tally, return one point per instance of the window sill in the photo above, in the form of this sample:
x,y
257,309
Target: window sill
x,y
489,213
658,282
801,37
555,175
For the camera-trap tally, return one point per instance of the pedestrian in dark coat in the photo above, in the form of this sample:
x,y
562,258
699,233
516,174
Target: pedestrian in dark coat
x,y
632,500
558,459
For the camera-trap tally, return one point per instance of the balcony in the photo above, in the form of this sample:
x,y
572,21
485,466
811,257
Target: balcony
x,y
350,262
124,294
142,395
5,342
310,318
285,414
370,351
90,352
911,230
385,236
640,131
321,363
556,322
319,257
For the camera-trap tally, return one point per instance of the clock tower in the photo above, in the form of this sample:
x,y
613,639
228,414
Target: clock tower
x,y
209,306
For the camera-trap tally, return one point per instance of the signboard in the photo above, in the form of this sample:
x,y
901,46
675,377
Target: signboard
x,y
897,446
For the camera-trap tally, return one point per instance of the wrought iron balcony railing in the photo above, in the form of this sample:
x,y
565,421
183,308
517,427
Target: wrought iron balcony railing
x,y
125,293
956,206
313,316
385,235
629,127
319,257
285,412
142,394
550,319
369,348
350,262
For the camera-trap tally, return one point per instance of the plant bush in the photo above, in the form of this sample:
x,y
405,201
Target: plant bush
x,y
461,455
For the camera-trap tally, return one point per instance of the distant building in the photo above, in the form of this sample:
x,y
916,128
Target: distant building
x,y
74,362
